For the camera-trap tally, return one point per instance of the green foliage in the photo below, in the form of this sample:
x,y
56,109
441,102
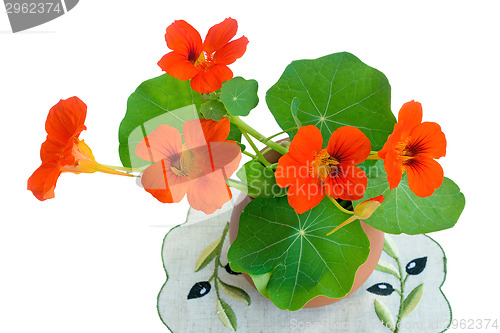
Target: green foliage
x,y
239,96
213,109
260,181
162,100
334,91
302,260
403,212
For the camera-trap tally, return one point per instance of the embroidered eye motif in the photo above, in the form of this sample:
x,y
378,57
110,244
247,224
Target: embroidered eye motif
x,y
381,289
199,289
416,266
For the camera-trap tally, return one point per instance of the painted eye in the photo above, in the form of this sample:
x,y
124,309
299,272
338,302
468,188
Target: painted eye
x,y
199,289
381,289
416,266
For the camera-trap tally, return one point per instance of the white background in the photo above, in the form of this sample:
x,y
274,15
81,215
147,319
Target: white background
x,y
89,260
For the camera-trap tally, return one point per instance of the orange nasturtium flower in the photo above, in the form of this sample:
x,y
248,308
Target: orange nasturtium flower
x,y
204,63
362,211
199,168
62,151
412,147
311,171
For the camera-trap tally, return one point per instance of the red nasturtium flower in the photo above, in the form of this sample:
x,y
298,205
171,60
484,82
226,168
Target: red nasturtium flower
x,y
199,168
204,63
412,147
310,171
62,151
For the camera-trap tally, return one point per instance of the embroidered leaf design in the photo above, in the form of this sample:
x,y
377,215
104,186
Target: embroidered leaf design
x,y
381,289
239,96
334,91
390,247
199,289
416,266
161,100
230,271
226,315
384,314
387,267
302,261
235,292
213,109
207,255
403,212
412,301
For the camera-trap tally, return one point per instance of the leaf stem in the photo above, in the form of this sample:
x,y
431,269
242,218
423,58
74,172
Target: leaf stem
x,y
339,206
245,128
123,168
237,185
249,154
401,294
374,156
260,157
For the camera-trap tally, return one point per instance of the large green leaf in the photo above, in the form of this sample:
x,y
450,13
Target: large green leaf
x,y
403,212
334,91
302,260
162,100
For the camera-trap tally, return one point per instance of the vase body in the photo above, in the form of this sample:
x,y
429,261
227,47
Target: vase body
x,y
375,236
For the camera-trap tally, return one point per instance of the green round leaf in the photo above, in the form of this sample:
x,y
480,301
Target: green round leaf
x,y
260,181
303,261
403,212
213,109
162,100
334,91
239,96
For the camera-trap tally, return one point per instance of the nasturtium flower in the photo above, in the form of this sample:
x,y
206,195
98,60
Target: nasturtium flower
x,y
63,151
204,63
311,171
362,211
413,147
199,168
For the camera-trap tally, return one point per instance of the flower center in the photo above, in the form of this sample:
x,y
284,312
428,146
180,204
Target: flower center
x,y
323,165
204,61
181,165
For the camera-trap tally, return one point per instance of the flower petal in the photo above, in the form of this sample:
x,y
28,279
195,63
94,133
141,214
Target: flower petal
x,y
198,132
288,170
393,169
211,80
66,120
348,145
159,180
409,117
305,194
219,35
43,181
225,156
349,183
424,176
184,39
163,142
428,139
305,144
208,192
231,51
177,65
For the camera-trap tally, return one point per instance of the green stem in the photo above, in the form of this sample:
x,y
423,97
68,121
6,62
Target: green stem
x,y
250,155
282,132
261,157
401,294
122,168
335,202
237,185
215,275
245,128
